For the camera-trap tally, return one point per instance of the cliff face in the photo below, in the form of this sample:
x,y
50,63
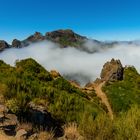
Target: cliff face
x,y
112,71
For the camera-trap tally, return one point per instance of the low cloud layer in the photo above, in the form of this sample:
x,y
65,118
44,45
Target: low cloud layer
x,y
74,64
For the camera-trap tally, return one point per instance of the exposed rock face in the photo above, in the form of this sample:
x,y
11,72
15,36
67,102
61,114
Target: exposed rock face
x,y
16,43
36,37
39,116
8,122
112,71
3,45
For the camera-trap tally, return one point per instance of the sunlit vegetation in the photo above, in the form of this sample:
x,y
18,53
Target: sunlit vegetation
x,y
123,94
28,81
81,115
124,127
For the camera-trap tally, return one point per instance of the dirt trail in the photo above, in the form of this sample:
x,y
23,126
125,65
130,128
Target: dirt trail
x,y
103,97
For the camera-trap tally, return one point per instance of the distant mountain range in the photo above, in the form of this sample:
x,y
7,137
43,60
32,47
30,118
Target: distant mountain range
x,y
64,38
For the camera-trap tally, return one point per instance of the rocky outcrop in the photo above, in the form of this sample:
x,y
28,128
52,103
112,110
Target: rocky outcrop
x,y
16,43
8,122
112,71
64,38
39,116
55,74
36,37
3,45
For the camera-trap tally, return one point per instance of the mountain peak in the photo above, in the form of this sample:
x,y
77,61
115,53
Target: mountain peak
x,y
65,37
3,45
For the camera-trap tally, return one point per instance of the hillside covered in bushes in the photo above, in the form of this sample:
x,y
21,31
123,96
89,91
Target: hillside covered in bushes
x,y
39,104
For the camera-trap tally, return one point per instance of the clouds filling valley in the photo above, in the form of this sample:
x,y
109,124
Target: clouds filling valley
x,y
72,63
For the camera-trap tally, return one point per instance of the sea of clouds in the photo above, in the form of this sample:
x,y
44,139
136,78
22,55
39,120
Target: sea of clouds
x,y
73,63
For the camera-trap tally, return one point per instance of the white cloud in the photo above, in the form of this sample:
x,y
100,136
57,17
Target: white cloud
x,y
71,61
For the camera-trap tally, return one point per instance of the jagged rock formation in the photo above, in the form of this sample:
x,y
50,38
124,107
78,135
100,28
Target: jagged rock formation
x,y
3,45
112,71
65,38
36,37
16,43
31,39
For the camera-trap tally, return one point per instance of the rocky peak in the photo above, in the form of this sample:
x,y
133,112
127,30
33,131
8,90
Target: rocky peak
x,y
59,33
64,37
16,43
36,37
3,45
112,71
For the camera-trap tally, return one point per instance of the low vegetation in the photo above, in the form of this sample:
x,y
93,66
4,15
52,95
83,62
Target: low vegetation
x,y
123,94
28,81
81,116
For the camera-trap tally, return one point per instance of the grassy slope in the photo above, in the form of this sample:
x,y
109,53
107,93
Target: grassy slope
x,y
123,94
29,81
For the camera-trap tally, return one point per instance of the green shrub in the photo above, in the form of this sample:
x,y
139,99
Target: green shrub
x,y
123,94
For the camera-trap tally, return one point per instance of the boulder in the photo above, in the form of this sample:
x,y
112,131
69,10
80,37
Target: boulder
x,y
112,71
39,116
8,122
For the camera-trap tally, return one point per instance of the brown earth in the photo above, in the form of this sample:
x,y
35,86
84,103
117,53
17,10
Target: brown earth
x,y
103,97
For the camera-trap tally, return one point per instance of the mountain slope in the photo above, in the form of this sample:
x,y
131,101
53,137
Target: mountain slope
x,y
30,82
65,38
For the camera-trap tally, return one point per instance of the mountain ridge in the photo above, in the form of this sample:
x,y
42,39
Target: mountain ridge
x,y
63,37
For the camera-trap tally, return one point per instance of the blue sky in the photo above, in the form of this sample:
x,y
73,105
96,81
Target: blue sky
x,y
99,19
